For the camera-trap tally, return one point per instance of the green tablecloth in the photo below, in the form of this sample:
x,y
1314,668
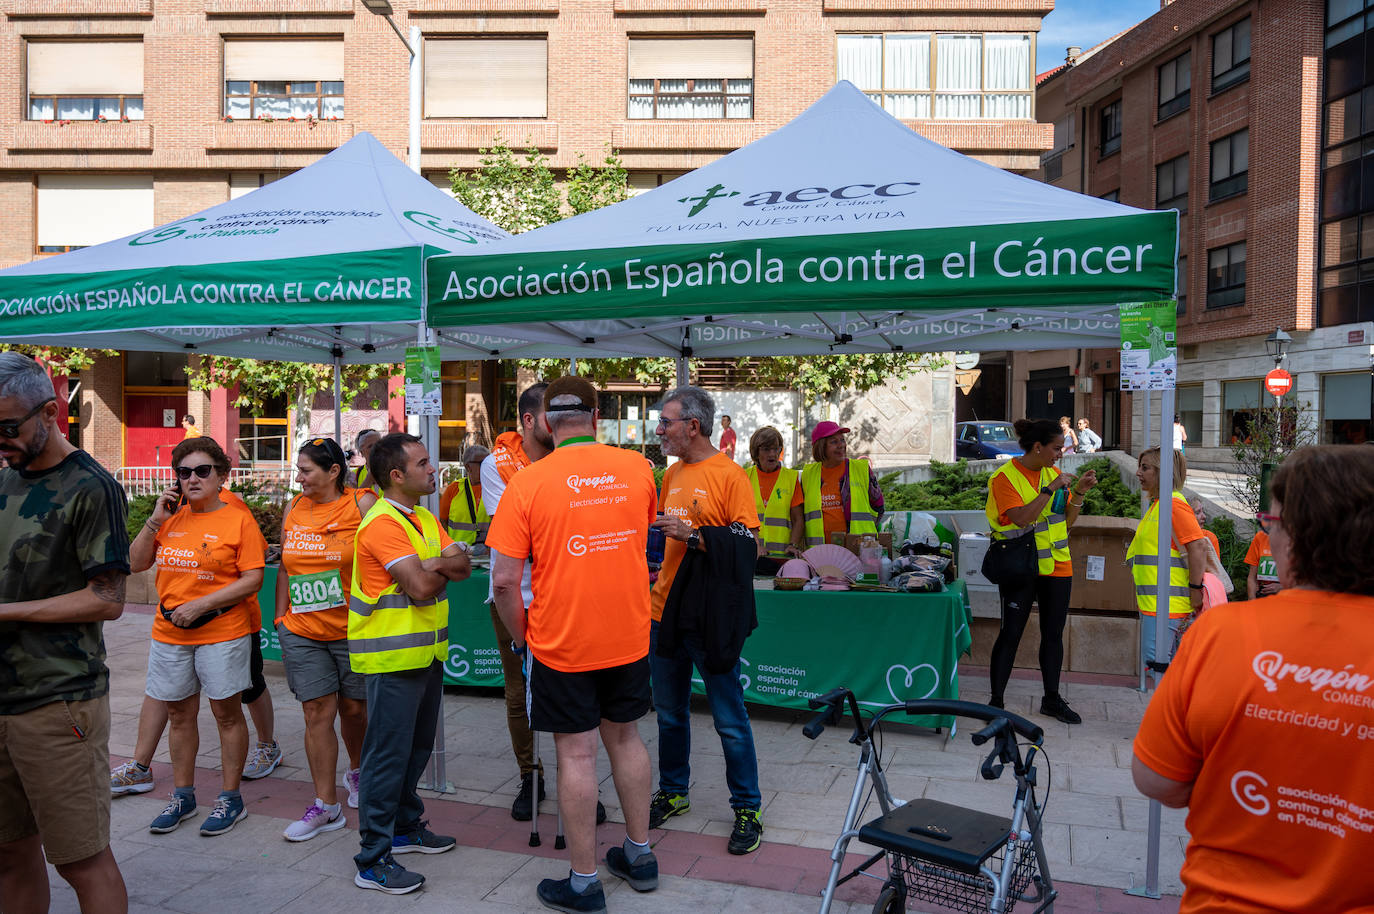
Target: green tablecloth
x,y
884,647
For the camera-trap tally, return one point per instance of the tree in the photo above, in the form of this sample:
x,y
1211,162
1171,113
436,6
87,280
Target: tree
x,y
259,381
62,360
1267,439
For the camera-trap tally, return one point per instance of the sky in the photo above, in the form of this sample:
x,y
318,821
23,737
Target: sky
x,y
1085,23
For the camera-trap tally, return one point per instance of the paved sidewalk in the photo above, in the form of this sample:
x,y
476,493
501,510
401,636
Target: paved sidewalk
x,y
1095,822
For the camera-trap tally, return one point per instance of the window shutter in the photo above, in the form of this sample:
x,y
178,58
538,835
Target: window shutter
x,y
85,67
691,58
86,209
284,60
486,77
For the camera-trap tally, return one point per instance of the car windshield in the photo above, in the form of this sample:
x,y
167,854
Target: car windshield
x,y
999,432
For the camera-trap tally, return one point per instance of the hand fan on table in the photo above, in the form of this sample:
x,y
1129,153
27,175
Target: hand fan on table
x,y
831,561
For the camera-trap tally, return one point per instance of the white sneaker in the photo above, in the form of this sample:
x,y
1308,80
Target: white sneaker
x,y
318,818
351,781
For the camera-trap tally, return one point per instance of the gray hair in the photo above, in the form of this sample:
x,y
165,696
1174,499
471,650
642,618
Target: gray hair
x,y
696,404
475,454
563,420
362,436
22,378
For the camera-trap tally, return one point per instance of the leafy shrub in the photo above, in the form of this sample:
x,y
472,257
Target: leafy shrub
x,y
952,487
1111,497
265,504
140,509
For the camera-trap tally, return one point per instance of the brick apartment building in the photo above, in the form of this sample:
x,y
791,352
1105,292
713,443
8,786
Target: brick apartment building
x,y
125,114
1246,118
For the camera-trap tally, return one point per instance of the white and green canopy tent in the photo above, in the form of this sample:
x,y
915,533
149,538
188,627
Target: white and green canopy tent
x,y
841,232
323,265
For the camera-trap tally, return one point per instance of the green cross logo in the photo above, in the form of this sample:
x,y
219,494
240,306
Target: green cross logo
x,y
711,194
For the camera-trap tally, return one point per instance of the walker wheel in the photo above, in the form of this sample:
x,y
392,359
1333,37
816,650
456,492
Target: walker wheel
x,y
892,900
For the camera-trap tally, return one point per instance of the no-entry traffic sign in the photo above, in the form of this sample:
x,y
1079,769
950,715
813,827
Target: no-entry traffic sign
x,y
1278,382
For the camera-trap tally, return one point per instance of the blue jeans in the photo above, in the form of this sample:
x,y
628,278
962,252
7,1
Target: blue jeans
x,y
672,682
1147,636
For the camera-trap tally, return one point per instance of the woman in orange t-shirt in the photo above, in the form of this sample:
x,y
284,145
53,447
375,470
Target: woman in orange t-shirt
x,y
209,559
311,617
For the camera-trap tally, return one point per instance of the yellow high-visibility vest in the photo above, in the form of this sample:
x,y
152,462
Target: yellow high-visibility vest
x,y
775,518
389,632
862,519
1051,530
467,516
1143,556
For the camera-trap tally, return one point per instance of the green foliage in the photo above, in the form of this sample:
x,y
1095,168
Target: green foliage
x,y
658,477
259,381
140,509
1233,549
651,372
63,360
953,487
1111,497
1273,434
592,187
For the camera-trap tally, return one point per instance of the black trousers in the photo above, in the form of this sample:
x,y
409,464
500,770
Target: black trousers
x,y
402,715
1052,596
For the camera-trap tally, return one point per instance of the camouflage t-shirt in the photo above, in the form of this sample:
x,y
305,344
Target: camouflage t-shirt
x,y
59,528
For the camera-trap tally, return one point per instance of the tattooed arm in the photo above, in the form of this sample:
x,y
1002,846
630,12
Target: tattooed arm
x,y
100,601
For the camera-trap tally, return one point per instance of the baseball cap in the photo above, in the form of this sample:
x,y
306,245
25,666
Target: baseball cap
x,y
576,386
825,430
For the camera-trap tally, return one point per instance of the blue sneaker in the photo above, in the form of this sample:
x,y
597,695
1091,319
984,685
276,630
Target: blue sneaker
x,y
386,875
558,895
227,813
422,841
179,810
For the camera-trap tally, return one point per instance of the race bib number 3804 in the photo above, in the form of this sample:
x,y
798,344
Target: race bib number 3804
x,y
311,593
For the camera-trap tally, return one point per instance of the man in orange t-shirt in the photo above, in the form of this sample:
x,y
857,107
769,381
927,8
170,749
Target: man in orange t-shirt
x,y
582,514
1263,578
704,488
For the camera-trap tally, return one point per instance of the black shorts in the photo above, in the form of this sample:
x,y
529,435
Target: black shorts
x,y
577,702
259,682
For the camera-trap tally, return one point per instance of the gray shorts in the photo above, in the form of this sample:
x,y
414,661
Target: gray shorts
x,y
315,669
177,671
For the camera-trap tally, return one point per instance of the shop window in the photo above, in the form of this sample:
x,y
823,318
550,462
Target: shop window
x,y
283,79
1189,406
1231,56
691,78
85,80
1226,276
947,76
1240,404
1109,128
487,76
1230,165
263,437
1171,184
1175,83
1345,410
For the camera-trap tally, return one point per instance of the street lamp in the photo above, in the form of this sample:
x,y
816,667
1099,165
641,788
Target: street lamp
x,y
383,8
1277,344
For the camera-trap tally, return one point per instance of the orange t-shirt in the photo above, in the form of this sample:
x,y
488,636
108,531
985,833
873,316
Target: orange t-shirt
x,y
583,514
1212,538
766,483
1004,496
508,450
1262,557
832,500
1268,710
383,544
1184,521
714,492
319,538
198,554
446,499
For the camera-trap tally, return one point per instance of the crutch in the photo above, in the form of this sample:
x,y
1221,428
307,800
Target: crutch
x,y
559,842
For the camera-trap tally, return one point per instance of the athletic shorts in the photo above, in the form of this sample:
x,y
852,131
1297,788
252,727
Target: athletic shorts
x,y
177,671
315,669
55,778
577,702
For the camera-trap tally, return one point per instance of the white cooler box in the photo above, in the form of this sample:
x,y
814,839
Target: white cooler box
x,y
972,548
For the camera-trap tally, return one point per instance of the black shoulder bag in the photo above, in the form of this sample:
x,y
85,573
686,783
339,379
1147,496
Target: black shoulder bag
x,y
1010,562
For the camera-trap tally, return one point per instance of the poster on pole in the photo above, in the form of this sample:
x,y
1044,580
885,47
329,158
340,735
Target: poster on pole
x,y
1149,349
423,393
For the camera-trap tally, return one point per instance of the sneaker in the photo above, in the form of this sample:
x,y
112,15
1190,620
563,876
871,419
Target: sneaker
x,y
642,876
262,761
748,832
663,806
522,810
179,810
129,778
600,813
318,818
1058,708
422,841
352,778
558,894
386,875
227,813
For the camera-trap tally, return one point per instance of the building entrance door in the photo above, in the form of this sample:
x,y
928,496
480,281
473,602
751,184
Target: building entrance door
x,y
152,427
1049,394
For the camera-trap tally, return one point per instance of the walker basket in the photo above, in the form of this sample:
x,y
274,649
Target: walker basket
x,y
938,852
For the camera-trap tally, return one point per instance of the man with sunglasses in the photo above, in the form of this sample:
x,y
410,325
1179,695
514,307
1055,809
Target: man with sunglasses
x,y
65,554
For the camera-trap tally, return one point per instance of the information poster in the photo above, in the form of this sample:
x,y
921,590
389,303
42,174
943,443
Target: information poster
x,y
1149,349
423,393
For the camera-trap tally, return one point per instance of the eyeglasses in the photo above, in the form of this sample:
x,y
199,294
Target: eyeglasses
x,y
10,427
664,420
1267,521
201,471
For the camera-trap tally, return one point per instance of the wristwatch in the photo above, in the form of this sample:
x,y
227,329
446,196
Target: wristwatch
x,y
693,541
1197,586
1046,490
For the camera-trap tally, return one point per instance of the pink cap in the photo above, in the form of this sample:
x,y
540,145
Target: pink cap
x,y
825,430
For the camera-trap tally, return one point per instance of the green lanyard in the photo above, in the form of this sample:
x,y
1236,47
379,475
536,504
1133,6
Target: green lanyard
x,y
580,439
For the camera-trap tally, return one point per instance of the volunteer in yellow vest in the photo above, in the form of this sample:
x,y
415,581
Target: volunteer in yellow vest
x,y
363,444
1186,567
835,494
1029,496
461,505
774,486
398,638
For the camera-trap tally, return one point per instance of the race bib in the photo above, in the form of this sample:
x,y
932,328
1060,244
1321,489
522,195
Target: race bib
x,y
1267,570
310,593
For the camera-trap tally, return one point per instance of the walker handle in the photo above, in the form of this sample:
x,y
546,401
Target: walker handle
x,y
954,708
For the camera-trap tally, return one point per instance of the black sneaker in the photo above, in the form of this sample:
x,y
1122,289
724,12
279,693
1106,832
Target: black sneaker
x,y
522,810
1058,708
748,832
663,806
558,894
423,841
642,876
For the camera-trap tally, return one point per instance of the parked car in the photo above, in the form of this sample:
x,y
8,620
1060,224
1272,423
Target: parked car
x,y
986,441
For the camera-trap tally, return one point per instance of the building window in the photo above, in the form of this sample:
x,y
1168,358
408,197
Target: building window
x,y
263,435
155,369
245,182
1175,82
1182,282
487,77
1240,406
1109,128
1111,196
79,210
1053,161
1346,408
639,182
691,78
1171,184
1226,275
949,76
85,80
1189,407
1230,165
280,80
1231,56
454,378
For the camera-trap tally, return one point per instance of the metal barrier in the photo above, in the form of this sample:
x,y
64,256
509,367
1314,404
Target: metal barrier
x,y
152,480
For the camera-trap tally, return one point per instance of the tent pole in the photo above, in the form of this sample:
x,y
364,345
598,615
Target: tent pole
x,y
683,372
429,435
572,366
1144,498
1163,642
416,90
338,400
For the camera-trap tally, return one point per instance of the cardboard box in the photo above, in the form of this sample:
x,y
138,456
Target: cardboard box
x,y
851,541
1101,578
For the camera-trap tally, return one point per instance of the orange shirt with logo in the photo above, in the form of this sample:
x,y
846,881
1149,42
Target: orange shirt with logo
x,y
383,544
508,451
199,554
1005,496
583,513
832,499
319,538
1268,710
714,492
1262,556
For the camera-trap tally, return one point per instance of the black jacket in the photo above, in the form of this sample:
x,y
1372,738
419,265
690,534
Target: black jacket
x,y
713,595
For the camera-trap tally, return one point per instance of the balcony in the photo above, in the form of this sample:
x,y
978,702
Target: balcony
x,y
284,134
687,135
279,7
74,9
471,136
81,136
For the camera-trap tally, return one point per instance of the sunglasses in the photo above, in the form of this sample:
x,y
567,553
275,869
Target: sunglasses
x,y
1267,521
10,427
201,472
